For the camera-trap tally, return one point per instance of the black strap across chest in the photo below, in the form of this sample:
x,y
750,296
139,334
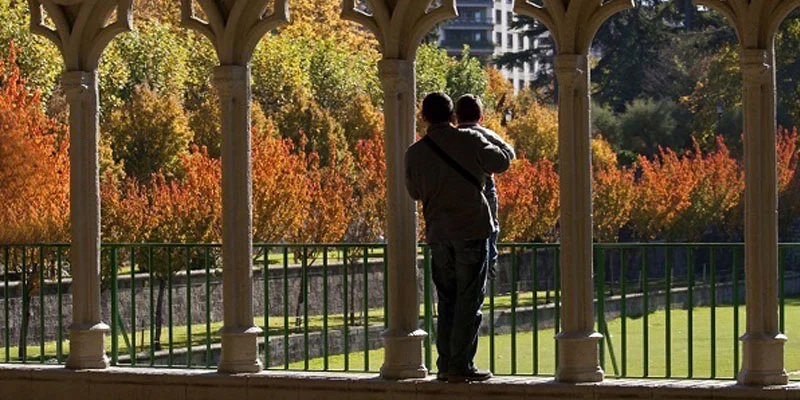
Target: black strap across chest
x,y
452,163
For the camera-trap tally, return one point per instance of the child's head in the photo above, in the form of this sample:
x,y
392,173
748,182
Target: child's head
x,y
469,109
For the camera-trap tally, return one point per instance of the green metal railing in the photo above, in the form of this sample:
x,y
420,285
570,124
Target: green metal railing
x,y
666,310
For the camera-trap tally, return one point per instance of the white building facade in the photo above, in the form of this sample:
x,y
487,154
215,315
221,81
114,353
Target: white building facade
x,y
485,25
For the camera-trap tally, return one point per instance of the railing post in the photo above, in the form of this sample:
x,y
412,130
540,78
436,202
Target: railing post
x,y
81,55
235,29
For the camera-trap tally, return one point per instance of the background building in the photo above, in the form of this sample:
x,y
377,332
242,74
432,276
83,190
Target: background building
x,y
485,25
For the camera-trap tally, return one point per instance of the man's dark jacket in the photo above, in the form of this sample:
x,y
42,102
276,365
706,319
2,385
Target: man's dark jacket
x,y
454,208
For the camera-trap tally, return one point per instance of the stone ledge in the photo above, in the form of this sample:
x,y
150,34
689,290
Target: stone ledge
x,y
33,382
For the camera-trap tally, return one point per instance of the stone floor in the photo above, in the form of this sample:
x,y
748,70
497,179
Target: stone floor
x,y
19,382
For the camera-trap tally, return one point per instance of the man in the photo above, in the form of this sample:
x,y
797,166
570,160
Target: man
x,y
469,113
447,170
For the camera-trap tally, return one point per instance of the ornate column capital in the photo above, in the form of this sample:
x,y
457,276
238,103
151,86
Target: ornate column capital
x,y
570,68
397,76
231,80
234,27
82,28
399,26
756,66
77,84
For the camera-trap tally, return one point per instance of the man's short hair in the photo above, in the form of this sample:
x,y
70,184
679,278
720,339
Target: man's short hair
x,y
469,108
437,108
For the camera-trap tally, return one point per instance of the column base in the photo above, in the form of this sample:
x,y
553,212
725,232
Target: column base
x,y
578,357
762,360
403,354
87,346
240,350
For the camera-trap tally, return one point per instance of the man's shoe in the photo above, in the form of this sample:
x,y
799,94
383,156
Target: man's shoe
x,y
441,376
471,376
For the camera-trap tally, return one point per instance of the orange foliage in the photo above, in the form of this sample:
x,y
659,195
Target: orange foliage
x,y
281,189
613,194
34,164
329,195
529,201
368,203
663,192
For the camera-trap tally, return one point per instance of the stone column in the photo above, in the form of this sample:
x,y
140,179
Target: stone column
x,y
578,341
235,28
87,332
762,351
399,28
403,357
239,333
94,24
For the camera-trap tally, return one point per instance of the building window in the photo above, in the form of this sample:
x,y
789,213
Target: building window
x,y
510,41
498,37
498,16
509,18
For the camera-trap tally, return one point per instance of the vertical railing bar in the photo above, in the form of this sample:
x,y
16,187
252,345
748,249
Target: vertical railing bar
x,y
114,307
623,311
60,343
265,277
535,311
557,294
305,308
208,306
668,313
735,273
428,298
600,293
23,348
188,306
325,308
645,316
514,288
152,305
366,308
781,288
286,307
169,306
690,313
345,309
492,366
5,299
713,268
41,304
132,349
386,288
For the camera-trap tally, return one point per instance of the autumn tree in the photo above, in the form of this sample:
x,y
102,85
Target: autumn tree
x,y
367,210
149,134
529,201
281,194
34,164
535,133
34,183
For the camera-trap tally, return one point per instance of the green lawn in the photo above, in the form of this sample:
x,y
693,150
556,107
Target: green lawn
x,y
632,356
199,337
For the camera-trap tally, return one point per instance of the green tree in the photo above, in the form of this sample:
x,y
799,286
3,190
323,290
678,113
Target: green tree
x,y
149,134
648,124
432,69
466,75
37,58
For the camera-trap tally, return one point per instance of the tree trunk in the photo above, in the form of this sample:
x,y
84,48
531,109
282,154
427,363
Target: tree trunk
x,y
159,314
